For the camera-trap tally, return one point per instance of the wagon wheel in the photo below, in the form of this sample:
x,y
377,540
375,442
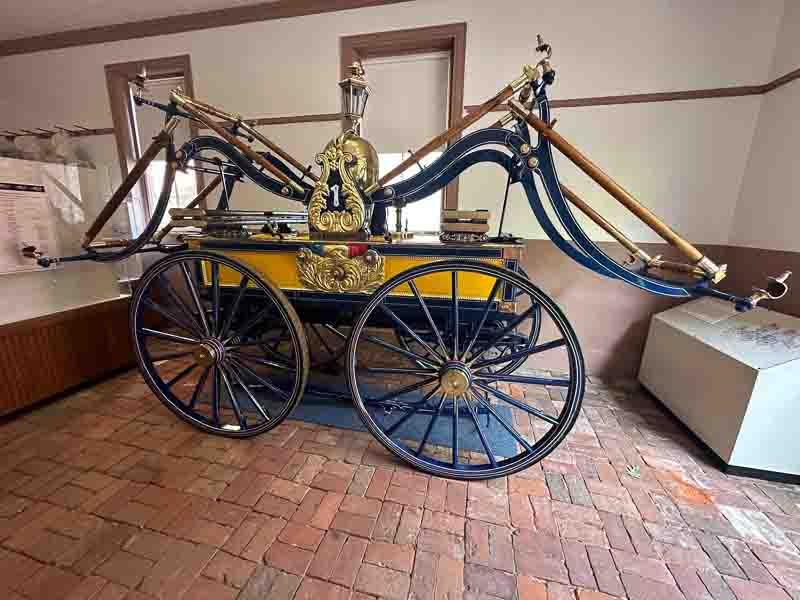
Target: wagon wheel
x,y
442,409
511,344
221,347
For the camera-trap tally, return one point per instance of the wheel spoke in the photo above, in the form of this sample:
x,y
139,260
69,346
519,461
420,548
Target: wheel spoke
x,y
167,336
514,402
428,316
274,352
404,390
516,321
170,356
428,429
234,403
261,361
454,282
390,313
235,306
260,342
455,422
252,322
179,302
263,382
521,354
407,353
321,339
199,387
215,296
172,318
261,409
187,276
523,379
414,372
215,396
413,410
506,425
335,331
485,314
181,375
484,441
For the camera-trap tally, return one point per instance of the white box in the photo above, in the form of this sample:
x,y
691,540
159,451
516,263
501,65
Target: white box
x,y
733,379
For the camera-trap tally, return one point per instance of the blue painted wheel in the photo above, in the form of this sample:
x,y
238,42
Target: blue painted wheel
x,y
221,347
443,405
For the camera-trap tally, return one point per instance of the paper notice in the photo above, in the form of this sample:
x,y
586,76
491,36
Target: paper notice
x,y
709,310
25,216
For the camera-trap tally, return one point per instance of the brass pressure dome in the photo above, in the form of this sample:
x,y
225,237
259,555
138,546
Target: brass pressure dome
x,y
363,169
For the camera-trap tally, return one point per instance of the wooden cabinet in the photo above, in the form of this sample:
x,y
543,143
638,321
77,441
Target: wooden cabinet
x,y
46,356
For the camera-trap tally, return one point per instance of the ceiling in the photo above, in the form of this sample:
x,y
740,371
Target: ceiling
x,y
27,18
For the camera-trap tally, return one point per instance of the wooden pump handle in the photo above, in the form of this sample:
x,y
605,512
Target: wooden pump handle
x,y
200,113
160,142
617,191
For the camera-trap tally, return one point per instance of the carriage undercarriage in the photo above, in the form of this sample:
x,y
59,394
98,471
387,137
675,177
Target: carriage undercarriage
x,y
436,377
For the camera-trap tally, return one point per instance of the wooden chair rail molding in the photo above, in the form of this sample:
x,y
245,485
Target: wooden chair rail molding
x,y
701,94
46,356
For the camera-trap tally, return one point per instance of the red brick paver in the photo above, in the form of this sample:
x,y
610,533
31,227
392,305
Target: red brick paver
x,y
106,495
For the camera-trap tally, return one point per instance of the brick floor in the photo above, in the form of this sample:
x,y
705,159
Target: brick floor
x,y
105,494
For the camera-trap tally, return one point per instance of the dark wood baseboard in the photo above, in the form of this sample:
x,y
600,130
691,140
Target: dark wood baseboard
x,y
47,356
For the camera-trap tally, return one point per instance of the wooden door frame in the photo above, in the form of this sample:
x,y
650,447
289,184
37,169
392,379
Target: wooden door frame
x,y
451,38
118,76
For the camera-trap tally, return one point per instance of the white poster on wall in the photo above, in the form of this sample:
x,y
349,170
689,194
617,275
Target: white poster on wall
x,y
26,217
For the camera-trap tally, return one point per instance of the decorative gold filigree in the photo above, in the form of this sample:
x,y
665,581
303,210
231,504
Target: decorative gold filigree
x,y
336,272
352,168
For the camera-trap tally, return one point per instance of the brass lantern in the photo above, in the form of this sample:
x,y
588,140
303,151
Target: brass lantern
x,y
355,93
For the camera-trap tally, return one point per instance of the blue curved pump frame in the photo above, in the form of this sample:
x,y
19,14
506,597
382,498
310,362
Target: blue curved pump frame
x,y
512,149
484,146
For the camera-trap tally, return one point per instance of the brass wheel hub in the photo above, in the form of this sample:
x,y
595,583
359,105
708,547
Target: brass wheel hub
x,y
455,378
209,353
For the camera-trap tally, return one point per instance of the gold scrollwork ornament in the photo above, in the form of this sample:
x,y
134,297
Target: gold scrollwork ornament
x,y
338,273
355,160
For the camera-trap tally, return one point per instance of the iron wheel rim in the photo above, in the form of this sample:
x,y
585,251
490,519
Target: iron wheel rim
x,y
542,446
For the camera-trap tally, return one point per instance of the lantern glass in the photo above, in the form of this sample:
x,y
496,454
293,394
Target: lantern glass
x,y
355,93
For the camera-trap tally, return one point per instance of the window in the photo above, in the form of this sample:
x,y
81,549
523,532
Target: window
x,y
148,122
423,216
135,127
387,50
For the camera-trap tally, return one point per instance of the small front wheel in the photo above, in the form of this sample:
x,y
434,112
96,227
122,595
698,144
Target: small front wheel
x,y
221,347
444,403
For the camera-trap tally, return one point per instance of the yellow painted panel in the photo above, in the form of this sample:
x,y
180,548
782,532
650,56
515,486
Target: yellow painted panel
x,y
280,267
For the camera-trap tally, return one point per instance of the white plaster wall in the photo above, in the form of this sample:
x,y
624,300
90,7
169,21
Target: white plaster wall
x,y
768,208
682,158
787,48
290,66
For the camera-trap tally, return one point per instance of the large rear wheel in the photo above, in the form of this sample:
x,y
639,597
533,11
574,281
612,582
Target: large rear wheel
x,y
443,403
